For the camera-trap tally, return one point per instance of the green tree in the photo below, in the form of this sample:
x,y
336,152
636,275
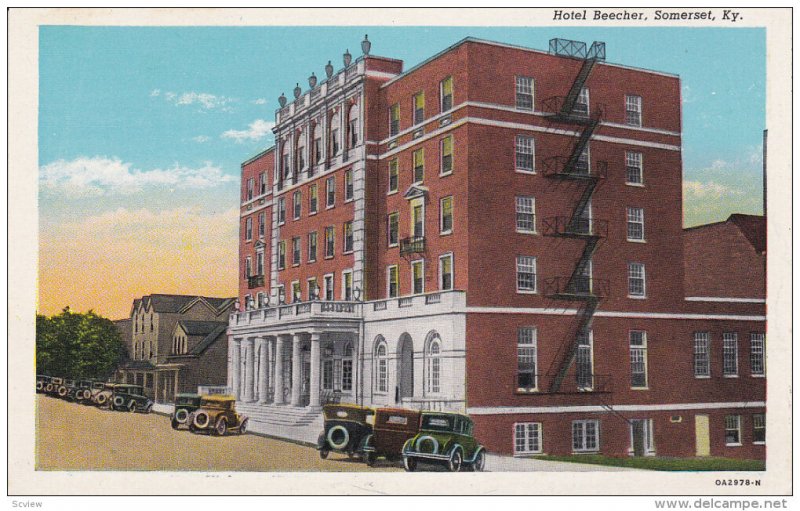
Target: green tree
x,y
77,345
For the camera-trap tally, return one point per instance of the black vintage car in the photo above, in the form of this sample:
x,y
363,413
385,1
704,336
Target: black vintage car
x,y
185,404
61,387
42,381
80,391
345,428
130,398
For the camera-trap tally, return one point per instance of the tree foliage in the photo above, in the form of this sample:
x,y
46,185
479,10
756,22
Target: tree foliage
x,y
76,345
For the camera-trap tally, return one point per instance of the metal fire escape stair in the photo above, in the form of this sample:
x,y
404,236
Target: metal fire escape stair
x,y
572,96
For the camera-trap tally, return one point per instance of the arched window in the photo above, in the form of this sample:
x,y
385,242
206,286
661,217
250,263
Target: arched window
x,y
317,147
381,377
301,152
335,144
352,127
433,370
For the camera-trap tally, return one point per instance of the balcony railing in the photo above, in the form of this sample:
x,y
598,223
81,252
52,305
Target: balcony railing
x,y
579,384
556,166
576,288
575,227
580,113
413,245
254,281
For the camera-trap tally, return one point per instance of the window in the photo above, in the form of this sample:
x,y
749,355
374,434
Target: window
x,y
352,126
313,289
584,361
330,241
638,342
527,438
381,368
733,430
418,277
582,164
348,185
261,300
260,262
582,103
446,150
248,269
262,181
394,119
446,272
419,165
301,154
286,164
248,228
328,283
330,189
281,210
392,230
526,215
757,354
393,175
433,366
524,93
526,274
347,369
262,225
446,215
347,230
586,436
702,362
312,199
317,143
250,188
334,132
347,285
312,246
759,428
524,153
419,107
295,251
281,294
730,354
417,218
645,427
636,281
297,293
526,359
633,168
281,255
635,224
327,374
297,204
392,281
446,93
633,110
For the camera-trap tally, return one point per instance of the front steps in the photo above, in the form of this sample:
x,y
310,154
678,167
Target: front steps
x,y
300,424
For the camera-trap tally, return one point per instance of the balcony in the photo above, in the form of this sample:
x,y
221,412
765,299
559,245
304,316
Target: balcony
x,y
413,245
255,281
576,288
325,312
575,227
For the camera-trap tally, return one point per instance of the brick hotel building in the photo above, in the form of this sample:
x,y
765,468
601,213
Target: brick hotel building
x,y
498,231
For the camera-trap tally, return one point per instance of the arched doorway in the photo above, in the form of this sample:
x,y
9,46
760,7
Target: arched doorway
x,y
405,368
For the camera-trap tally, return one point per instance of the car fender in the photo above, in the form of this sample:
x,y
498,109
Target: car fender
x,y
475,454
366,442
322,441
408,446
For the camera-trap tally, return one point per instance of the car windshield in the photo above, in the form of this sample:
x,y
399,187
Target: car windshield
x,y
187,400
213,403
438,422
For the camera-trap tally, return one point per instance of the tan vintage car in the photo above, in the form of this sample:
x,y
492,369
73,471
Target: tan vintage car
x,y
217,414
102,397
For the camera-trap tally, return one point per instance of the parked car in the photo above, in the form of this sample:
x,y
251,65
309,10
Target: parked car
x,y
81,391
54,386
74,390
185,404
102,397
445,438
130,398
217,414
41,383
345,428
392,428
96,388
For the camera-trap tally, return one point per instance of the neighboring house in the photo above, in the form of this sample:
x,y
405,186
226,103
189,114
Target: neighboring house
x,y
154,320
125,332
498,231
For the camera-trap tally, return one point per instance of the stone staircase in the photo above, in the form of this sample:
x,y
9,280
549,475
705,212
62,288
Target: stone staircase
x,y
284,421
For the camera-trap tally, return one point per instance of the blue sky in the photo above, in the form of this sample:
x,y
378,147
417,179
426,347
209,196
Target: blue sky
x,y
149,124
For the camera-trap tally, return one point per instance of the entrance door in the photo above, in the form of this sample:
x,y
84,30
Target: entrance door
x,y
306,386
639,436
405,371
701,434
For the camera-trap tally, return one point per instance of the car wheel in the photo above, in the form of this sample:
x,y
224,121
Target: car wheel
x,y
455,462
39,386
48,388
323,453
243,427
222,427
62,392
132,406
101,399
480,462
410,464
175,424
370,458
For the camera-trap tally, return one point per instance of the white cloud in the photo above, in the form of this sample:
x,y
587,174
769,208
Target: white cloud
x,y
155,93
260,101
707,190
201,139
202,99
257,130
100,176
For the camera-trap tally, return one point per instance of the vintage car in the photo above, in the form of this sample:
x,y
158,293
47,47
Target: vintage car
x,y
41,383
130,398
102,397
217,414
184,405
445,438
96,388
54,387
75,391
392,428
346,426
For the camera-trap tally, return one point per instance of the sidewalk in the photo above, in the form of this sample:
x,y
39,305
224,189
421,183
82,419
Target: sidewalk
x,y
496,463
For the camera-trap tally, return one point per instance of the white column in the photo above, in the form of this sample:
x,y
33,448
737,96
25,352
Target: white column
x,y
297,371
263,367
249,366
315,370
278,386
236,367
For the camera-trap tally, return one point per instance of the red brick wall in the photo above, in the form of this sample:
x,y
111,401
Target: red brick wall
x,y
264,163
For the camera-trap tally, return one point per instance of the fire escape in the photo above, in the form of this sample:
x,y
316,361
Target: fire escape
x,y
573,110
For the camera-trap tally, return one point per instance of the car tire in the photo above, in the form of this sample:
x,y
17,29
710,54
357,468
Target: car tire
x,y
118,402
370,458
39,386
243,427
175,424
181,415
456,461
479,463
48,388
201,420
344,441
62,391
409,463
323,453
221,428
101,399
132,406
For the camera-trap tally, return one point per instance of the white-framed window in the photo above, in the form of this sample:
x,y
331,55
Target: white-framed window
x,y
526,274
296,251
281,210
260,262
527,438
634,174
327,374
251,184
317,143
419,165
381,367
636,280
583,164
262,181
733,430
446,272
633,110
394,172
352,126
301,153
418,276
584,361
262,224
446,215
334,132
759,429
638,344
702,361
730,354
392,229
392,281
524,88
297,204
347,234
446,94
347,285
524,152
347,368
281,255
297,292
433,353
313,288
348,185
248,267
280,291
582,103
419,107
526,215
261,299
635,224
527,377
446,155
312,246
417,218
327,282
330,241
586,435
330,192
248,228
394,119
313,200
646,428
757,367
